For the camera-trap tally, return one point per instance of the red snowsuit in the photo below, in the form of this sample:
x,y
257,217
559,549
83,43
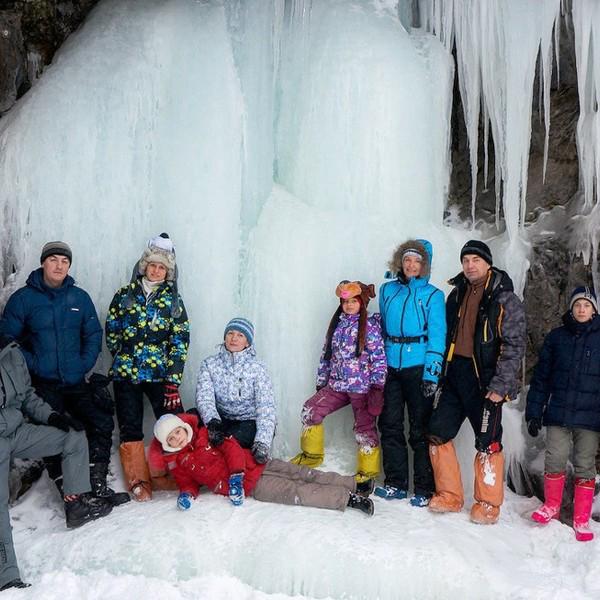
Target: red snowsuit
x,y
199,463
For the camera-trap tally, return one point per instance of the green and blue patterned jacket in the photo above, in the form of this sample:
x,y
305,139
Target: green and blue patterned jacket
x,y
147,342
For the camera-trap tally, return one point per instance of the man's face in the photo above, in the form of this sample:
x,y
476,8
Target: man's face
x,y
474,267
55,268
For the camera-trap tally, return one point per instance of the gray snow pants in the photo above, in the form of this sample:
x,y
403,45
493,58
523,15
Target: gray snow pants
x,y
37,441
558,447
287,483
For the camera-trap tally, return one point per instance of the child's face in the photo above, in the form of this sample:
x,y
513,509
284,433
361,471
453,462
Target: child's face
x,y
177,438
351,306
583,310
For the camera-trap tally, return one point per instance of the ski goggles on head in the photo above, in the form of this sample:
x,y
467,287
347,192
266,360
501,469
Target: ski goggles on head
x,y
348,289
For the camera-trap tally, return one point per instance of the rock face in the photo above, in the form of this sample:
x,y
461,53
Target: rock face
x,y
30,33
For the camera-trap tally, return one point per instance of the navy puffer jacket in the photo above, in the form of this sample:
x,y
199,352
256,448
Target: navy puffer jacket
x,y
565,389
57,328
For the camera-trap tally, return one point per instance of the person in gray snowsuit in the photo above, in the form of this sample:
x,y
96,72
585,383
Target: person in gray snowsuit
x,y
47,434
234,393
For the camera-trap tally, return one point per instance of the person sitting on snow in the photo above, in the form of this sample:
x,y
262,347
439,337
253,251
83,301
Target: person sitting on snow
x,y
234,393
485,345
352,370
182,448
148,334
568,372
48,433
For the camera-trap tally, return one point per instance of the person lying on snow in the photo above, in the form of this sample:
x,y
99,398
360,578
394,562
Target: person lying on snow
x,y
182,448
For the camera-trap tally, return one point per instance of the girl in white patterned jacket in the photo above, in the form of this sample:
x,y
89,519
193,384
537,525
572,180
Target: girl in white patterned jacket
x,y
234,393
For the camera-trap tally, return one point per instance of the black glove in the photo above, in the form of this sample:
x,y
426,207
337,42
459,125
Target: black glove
x,y
216,435
64,422
534,426
428,388
260,452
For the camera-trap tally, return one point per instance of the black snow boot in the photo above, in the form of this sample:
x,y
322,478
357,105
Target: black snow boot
x,y
365,488
98,474
361,503
15,583
85,508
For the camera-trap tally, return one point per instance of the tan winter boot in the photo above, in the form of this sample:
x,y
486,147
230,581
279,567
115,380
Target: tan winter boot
x,y
135,470
449,495
489,488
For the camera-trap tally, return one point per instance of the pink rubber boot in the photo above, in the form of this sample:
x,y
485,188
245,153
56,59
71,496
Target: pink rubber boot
x,y
553,491
582,509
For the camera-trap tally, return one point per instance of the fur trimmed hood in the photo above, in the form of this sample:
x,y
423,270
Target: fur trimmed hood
x,y
422,247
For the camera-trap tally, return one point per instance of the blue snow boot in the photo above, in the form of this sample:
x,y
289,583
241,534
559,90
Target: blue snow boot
x,y
420,500
389,492
236,489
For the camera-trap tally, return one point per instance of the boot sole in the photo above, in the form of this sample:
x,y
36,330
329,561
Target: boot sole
x,y
72,524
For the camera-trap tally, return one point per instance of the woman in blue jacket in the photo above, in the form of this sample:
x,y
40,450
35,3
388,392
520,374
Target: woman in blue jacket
x,y
414,329
564,396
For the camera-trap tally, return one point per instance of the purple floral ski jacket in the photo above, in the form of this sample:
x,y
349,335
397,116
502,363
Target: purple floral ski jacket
x,y
347,373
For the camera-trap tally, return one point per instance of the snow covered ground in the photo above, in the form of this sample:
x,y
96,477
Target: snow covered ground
x,y
265,551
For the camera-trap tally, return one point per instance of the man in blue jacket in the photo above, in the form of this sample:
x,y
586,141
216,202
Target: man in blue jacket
x,y
55,323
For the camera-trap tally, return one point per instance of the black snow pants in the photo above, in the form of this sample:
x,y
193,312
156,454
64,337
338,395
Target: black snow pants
x,y
462,398
95,411
129,398
403,389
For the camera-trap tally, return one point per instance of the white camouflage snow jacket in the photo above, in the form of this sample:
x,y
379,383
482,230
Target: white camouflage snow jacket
x,y
237,386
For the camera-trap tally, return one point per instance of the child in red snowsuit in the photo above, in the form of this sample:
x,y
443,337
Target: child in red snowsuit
x,y
181,447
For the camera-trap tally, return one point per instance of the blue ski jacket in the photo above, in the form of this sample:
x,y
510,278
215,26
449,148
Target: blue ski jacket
x,y
413,316
57,328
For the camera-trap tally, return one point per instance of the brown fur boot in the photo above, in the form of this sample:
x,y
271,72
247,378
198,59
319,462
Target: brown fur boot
x,y
135,469
489,488
449,495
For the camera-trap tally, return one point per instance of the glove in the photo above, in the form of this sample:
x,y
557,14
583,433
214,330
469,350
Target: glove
x,y
260,452
216,435
236,489
534,426
184,501
172,398
64,422
375,400
428,388
318,388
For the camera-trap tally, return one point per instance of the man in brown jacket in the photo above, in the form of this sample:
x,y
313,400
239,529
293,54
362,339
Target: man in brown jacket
x,y
484,348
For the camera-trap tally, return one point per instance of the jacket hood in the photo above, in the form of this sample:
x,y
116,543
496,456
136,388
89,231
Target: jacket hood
x,y
36,280
424,248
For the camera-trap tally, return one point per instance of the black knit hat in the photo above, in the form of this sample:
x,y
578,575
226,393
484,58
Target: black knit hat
x,y
57,248
481,249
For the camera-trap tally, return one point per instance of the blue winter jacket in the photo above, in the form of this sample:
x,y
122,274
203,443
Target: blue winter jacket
x,y
414,309
565,388
57,328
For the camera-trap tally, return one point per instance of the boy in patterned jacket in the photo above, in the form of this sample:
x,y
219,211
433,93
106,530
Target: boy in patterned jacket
x,y
352,371
234,393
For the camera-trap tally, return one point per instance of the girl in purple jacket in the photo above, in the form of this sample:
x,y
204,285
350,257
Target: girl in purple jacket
x,y
352,371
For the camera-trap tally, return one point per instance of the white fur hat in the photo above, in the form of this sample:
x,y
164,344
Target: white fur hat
x,y
160,250
165,425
